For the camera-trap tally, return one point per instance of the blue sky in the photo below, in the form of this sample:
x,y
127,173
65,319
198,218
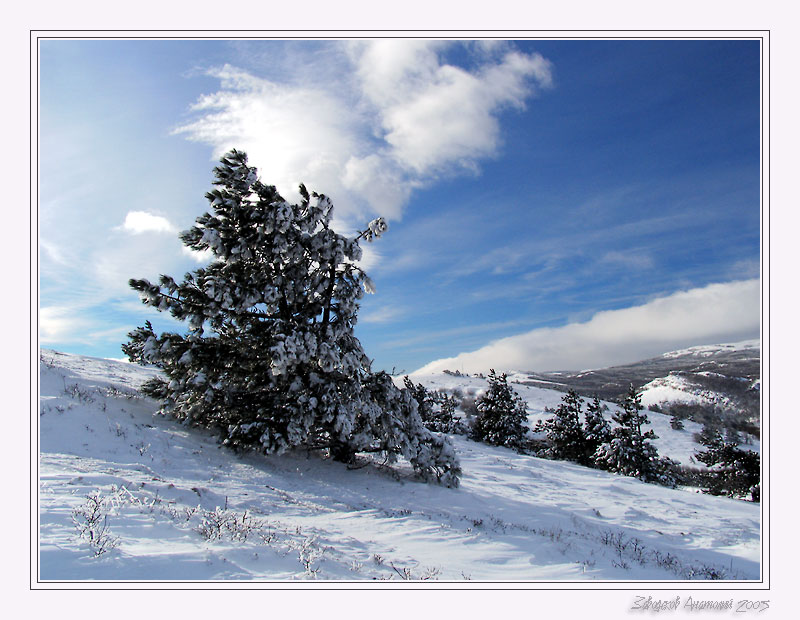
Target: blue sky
x,y
552,204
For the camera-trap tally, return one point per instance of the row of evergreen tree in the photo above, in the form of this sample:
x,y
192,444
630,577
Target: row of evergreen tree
x,y
501,420
586,437
734,472
625,449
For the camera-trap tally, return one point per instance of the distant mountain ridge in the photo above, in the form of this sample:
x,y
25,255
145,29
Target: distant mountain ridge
x,y
725,376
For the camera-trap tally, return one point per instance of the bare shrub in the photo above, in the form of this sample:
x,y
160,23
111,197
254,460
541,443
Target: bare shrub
x,y
91,520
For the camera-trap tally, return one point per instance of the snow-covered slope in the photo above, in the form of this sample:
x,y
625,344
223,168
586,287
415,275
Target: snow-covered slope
x,y
714,350
124,495
678,445
675,388
740,360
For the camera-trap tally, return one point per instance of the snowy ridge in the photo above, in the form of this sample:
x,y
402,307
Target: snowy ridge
x,y
124,495
714,349
723,381
676,389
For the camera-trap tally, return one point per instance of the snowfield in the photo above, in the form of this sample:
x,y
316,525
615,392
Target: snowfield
x,y
124,495
673,389
705,351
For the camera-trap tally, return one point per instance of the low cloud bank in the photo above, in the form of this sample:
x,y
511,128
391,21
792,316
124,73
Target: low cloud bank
x,y
716,313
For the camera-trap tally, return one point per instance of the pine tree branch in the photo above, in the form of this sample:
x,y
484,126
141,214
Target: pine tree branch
x,y
326,314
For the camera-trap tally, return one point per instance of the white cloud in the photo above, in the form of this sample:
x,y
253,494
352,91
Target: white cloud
x,y
292,134
437,115
203,257
53,252
141,221
377,122
712,314
76,323
628,260
379,182
370,257
385,314
58,323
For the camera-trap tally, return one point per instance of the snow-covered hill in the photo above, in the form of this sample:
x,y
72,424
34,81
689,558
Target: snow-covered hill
x,y
751,347
124,495
740,360
678,445
680,388
718,384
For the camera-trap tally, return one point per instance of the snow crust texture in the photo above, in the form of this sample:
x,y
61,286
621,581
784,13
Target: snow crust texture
x,y
126,495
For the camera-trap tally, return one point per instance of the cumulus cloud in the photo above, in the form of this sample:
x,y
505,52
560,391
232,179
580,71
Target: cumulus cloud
x,y
715,313
138,222
437,115
293,134
399,117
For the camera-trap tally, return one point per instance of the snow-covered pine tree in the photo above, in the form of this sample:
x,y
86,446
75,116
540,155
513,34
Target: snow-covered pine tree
x,y
596,430
270,359
501,414
629,451
437,409
565,435
734,472
676,423
444,419
423,397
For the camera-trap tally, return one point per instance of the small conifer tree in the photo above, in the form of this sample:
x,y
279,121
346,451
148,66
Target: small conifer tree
x,y
423,397
676,423
437,408
565,435
596,430
501,414
629,451
735,472
270,359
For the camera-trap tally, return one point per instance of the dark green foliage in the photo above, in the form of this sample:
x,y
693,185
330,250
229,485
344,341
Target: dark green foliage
x,y
502,414
423,397
708,435
437,409
735,472
629,451
270,359
445,420
566,437
715,416
596,430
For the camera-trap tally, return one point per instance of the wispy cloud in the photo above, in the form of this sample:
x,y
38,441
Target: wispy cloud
x,y
53,252
385,314
404,117
636,259
447,335
77,320
522,253
715,313
58,323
